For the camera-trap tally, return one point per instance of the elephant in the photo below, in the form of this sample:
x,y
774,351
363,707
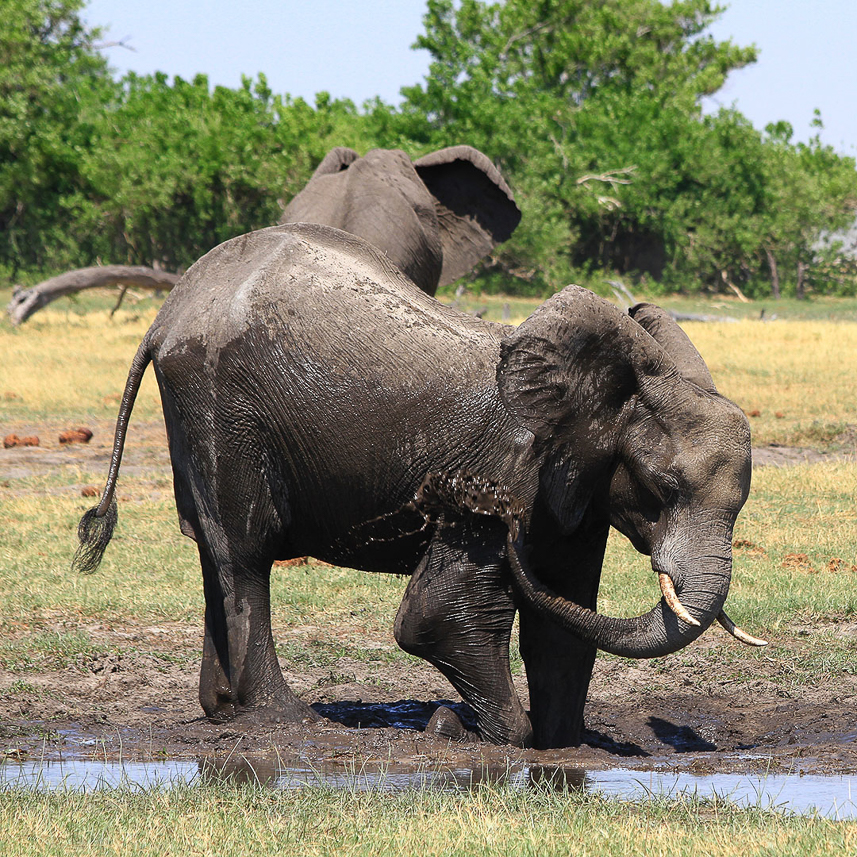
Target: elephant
x,y
318,403
435,218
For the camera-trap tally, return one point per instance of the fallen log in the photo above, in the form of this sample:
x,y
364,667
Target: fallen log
x,y
695,316
626,300
27,301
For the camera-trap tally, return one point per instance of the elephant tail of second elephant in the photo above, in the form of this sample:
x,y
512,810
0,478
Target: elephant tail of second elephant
x,y
96,526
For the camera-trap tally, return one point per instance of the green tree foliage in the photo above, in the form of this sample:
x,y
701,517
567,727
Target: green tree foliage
x,y
811,196
51,81
142,170
592,107
177,168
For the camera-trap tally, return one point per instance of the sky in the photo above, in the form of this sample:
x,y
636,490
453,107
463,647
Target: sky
x,y
359,50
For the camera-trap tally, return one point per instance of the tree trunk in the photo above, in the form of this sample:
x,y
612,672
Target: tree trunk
x,y
27,301
801,275
775,275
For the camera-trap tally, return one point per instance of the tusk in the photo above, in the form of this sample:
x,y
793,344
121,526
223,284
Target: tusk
x,y
671,598
737,633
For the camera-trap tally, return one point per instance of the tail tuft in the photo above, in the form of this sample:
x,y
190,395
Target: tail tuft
x,y
94,534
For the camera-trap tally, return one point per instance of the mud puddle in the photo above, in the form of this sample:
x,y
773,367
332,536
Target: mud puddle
x,y
832,797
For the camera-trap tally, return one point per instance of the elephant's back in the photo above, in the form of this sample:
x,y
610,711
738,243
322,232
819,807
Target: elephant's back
x,y
322,289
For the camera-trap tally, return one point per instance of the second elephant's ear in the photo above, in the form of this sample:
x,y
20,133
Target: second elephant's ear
x,y
572,367
335,161
661,325
475,208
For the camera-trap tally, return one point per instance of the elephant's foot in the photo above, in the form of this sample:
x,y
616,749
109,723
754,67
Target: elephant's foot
x,y
445,723
284,707
267,715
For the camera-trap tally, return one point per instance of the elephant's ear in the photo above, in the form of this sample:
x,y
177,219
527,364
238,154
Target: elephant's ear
x,y
475,208
335,161
573,366
675,342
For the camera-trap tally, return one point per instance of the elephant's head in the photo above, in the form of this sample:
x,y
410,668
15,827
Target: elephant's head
x,y
435,218
628,418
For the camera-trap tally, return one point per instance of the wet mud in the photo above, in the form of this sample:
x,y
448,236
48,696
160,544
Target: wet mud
x,y
133,707
129,702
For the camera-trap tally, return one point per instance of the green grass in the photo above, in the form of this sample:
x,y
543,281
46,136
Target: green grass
x,y
785,309
150,572
795,564
491,820
493,307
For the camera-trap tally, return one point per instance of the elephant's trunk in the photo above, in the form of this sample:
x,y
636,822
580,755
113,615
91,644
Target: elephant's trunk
x,y
704,585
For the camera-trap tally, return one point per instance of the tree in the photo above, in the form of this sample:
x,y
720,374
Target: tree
x,y
593,110
813,193
591,106
52,80
175,168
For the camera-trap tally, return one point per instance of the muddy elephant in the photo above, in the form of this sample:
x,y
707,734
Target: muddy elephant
x,y
318,403
434,218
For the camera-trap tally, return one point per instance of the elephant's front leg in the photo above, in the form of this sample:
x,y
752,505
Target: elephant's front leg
x,y
240,673
559,665
457,613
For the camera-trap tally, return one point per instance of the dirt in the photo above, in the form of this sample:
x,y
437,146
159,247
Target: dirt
x,y
136,698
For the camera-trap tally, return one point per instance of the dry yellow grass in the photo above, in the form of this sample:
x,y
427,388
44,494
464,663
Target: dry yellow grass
x,y
66,366
795,378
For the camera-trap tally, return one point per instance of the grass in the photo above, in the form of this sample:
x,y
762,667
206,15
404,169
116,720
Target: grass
x,y
490,820
820,308
69,362
63,366
794,379
795,556
795,563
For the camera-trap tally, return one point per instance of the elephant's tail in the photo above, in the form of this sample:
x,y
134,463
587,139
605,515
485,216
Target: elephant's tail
x,y
96,526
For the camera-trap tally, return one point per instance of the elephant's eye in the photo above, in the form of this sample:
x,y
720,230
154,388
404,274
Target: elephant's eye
x,y
662,484
669,489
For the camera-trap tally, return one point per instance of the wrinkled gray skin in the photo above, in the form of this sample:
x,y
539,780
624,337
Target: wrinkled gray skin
x,y
309,388
434,218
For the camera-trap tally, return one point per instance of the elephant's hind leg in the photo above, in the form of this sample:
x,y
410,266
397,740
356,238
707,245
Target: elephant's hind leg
x,y
240,673
224,500
457,613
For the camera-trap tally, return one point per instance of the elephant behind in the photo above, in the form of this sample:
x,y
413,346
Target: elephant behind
x,y
318,403
434,218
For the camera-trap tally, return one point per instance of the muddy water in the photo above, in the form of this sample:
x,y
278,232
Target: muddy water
x,y
828,796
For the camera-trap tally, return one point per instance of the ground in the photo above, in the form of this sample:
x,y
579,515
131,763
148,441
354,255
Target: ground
x,y
676,714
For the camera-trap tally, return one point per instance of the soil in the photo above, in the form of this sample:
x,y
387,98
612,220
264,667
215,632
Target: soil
x,y
130,702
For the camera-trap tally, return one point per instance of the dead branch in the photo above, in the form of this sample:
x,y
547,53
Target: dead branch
x,y
122,43
27,301
741,296
609,177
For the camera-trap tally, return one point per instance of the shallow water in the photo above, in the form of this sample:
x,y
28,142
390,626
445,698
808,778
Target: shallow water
x,y
829,796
